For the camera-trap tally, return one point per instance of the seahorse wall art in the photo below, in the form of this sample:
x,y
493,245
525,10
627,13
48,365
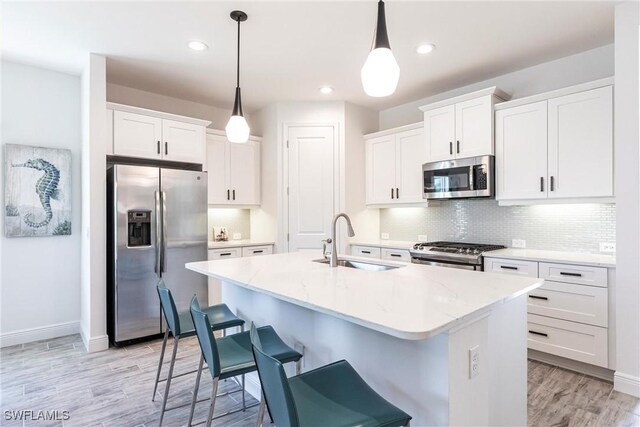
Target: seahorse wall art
x,y
37,190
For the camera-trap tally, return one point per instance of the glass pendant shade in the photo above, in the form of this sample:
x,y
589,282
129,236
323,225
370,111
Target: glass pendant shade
x,y
380,72
237,130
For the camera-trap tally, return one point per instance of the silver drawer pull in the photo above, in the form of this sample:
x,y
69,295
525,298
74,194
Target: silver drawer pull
x,y
538,297
542,334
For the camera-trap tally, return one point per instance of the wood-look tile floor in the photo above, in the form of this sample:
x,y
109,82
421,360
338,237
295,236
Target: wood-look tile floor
x,y
114,387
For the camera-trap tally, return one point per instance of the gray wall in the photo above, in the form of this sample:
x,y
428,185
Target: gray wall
x,y
579,68
574,228
40,276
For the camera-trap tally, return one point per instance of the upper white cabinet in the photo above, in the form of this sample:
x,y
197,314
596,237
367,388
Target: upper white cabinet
x,y
394,161
233,170
461,127
556,147
148,134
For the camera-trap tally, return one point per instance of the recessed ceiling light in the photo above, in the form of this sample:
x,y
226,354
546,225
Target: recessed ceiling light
x,y
198,45
423,49
326,90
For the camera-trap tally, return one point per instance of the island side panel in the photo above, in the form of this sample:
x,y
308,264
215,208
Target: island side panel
x,y
508,363
414,375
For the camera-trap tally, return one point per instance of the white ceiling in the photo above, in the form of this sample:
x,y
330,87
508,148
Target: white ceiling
x,y
289,49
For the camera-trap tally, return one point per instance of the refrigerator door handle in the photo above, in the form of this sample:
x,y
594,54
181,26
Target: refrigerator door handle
x,y
164,231
156,268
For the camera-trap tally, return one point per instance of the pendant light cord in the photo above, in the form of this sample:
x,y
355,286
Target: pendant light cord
x,y
238,58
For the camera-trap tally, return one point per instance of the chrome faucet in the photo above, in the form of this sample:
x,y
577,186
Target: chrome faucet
x,y
334,246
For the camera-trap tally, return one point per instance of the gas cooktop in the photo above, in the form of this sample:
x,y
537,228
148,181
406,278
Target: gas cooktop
x,y
457,252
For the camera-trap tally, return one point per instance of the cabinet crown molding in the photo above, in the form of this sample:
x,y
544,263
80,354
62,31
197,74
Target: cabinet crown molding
x,y
223,134
158,114
582,87
391,131
493,90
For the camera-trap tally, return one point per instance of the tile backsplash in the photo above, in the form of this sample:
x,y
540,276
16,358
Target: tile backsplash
x,y
575,228
236,221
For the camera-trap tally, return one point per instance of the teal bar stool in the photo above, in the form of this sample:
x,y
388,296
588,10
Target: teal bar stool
x,y
332,395
232,356
181,326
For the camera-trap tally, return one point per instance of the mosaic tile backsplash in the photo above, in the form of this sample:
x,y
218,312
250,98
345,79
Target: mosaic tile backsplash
x,y
573,228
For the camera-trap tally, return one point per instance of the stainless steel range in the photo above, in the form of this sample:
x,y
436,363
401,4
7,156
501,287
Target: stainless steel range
x,y
451,254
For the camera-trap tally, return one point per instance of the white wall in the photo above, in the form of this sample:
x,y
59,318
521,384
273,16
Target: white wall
x,y
93,304
579,68
153,101
627,158
40,276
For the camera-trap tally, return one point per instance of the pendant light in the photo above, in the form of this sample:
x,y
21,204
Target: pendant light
x,y
237,128
380,73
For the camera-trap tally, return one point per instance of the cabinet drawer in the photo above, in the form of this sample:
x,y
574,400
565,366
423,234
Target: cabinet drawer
x,y
576,341
257,250
225,253
577,303
580,274
365,251
396,255
511,266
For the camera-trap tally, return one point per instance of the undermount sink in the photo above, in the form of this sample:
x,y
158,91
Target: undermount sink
x,y
360,265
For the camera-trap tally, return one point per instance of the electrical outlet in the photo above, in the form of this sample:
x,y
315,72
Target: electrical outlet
x,y
519,243
474,361
607,247
237,236
422,238
384,236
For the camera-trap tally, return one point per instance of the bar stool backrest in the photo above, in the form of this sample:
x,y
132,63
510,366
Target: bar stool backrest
x,y
169,308
275,385
205,338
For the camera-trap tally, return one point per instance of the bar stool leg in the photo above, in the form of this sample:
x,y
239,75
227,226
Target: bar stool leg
x,y
214,392
244,402
261,410
164,345
195,390
166,390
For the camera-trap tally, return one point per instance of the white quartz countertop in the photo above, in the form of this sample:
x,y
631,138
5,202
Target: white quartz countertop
x,y
411,302
554,256
238,243
390,244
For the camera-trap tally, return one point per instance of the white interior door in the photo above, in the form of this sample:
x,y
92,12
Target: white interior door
x,y
311,176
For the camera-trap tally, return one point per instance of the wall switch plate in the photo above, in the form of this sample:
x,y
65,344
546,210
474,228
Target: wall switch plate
x,y
474,361
607,247
384,236
422,238
237,236
519,243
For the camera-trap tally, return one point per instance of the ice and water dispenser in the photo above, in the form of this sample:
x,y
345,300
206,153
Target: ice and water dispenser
x,y
138,228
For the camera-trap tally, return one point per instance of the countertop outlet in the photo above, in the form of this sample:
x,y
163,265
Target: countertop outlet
x,y
384,236
519,243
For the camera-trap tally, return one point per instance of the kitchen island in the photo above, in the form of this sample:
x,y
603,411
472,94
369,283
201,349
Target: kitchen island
x,y
447,346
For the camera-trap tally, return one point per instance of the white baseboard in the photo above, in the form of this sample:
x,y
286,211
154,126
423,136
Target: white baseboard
x,y
94,344
41,333
626,384
573,365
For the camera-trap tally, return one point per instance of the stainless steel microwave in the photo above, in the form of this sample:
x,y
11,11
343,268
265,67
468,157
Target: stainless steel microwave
x,y
459,178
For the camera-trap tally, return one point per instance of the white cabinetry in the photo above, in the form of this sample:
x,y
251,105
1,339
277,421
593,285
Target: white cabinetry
x,y
233,170
391,254
461,127
568,315
556,147
148,134
394,161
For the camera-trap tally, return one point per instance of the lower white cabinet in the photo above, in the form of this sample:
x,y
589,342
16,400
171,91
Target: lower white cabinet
x,y
395,255
215,288
390,254
365,251
568,315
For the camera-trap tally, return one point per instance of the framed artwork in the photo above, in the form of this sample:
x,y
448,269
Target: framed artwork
x,y
37,192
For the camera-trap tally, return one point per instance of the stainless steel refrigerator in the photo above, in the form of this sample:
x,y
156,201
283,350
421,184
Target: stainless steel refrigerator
x,y
157,222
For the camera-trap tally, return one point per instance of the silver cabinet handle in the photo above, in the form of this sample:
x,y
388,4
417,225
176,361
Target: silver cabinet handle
x,y
156,195
163,199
